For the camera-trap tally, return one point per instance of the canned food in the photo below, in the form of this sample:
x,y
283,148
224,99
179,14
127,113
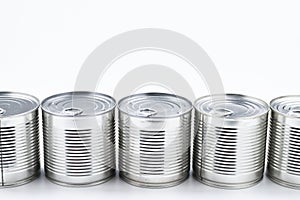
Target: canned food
x,y
154,139
229,144
284,144
19,139
79,138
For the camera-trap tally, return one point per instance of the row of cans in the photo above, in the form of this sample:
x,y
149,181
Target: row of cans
x,y
154,139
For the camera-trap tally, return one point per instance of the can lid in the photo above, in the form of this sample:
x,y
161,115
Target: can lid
x,y
155,105
15,103
287,105
231,106
78,104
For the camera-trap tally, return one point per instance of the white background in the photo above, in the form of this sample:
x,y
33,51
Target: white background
x,y
254,44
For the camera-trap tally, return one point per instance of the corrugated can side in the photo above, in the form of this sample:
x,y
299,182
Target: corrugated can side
x,y
79,147
284,144
19,139
154,144
229,141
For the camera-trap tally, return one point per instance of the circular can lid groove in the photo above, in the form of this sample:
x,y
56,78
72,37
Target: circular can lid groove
x,y
79,103
155,105
15,103
231,106
288,106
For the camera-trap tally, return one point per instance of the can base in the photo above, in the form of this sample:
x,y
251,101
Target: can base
x,y
22,182
80,185
228,186
283,183
152,185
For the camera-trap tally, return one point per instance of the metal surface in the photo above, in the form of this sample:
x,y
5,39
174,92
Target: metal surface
x,y
229,140
154,139
19,139
79,138
284,146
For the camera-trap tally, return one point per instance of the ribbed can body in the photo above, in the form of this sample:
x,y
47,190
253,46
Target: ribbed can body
x,y
79,150
154,157
19,145
229,152
284,143
154,152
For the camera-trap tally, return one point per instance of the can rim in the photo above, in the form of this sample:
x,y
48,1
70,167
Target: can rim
x,y
155,94
233,94
29,96
282,97
74,93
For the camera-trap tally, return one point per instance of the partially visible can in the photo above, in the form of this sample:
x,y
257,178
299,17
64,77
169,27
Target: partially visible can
x,y
230,140
284,145
19,139
154,139
79,138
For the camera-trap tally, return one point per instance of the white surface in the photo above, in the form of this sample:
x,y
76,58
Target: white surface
x,y
254,44
117,189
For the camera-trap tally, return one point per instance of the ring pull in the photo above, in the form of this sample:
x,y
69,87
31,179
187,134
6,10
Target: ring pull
x,y
2,111
294,112
146,112
72,111
221,112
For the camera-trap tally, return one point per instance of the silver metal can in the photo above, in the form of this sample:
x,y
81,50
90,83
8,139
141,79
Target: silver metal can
x,y
79,138
19,139
230,140
154,139
284,143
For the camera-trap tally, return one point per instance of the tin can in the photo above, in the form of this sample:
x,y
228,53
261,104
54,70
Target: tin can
x,y
284,143
230,140
19,139
79,138
154,139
